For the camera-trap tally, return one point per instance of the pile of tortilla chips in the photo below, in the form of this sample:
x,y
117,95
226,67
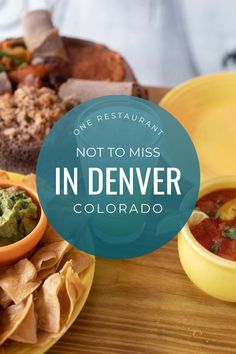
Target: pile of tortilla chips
x,y
38,295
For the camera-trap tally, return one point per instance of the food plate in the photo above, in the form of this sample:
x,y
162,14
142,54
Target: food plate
x,y
86,278
206,106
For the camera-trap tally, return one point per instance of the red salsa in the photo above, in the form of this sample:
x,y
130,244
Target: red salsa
x,y
218,232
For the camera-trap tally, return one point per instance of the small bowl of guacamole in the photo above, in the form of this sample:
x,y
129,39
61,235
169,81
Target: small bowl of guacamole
x,y
22,222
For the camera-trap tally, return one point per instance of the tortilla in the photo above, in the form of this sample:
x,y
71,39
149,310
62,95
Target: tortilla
x,y
49,257
44,338
57,299
74,289
47,305
12,317
33,314
19,280
63,298
45,273
26,332
70,292
5,300
51,236
65,267
81,261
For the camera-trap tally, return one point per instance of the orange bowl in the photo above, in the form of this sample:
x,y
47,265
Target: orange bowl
x,y
11,253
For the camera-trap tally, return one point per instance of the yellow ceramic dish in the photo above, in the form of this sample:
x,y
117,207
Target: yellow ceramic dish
x,y
206,106
86,279
213,274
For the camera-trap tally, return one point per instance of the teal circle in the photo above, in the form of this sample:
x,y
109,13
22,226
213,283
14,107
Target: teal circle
x,y
118,176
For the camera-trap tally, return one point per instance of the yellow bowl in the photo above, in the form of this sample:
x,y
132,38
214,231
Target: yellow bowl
x,y
206,107
214,275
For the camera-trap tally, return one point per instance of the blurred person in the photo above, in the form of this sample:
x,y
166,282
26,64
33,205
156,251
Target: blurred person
x,y
165,41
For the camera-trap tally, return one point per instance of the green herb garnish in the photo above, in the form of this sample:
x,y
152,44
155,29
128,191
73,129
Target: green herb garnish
x,y
17,196
16,60
27,118
2,68
218,203
215,247
229,232
217,214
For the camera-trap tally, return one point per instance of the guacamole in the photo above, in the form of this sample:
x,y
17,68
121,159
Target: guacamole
x,y
18,215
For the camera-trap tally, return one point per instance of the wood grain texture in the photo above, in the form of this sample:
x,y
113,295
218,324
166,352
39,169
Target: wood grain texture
x,y
147,305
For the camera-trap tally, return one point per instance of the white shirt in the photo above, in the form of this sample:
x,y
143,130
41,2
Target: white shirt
x,y
165,41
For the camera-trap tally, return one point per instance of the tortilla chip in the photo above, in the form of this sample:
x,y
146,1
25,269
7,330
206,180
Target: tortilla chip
x,y
44,338
5,300
30,181
4,175
19,280
26,332
44,258
70,292
81,261
47,305
63,298
12,317
75,290
53,302
45,273
65,267
51,236
47,258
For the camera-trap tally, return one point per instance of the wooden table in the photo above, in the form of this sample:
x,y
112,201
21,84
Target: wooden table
x,y
147,305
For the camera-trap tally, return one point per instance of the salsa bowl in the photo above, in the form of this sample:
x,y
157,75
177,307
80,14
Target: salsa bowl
x,y
213,274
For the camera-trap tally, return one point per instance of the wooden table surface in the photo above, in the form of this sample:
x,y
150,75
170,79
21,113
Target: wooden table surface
x,y
147,305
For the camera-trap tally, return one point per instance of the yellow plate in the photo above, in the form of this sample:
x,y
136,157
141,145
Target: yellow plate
x,y
206,106
86,279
